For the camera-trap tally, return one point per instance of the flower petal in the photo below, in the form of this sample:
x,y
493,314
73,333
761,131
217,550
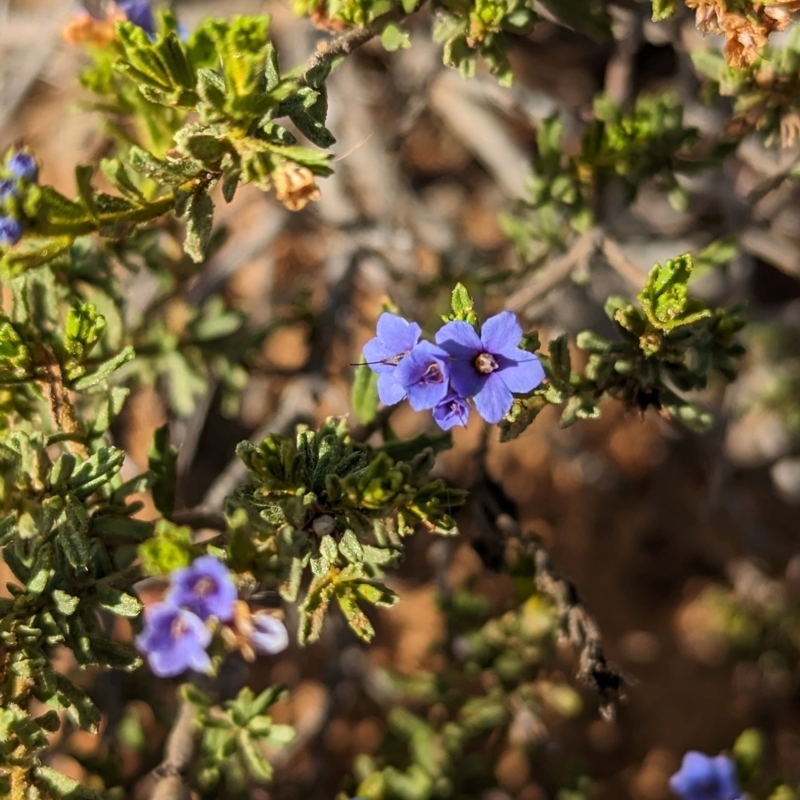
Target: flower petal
x,y
522,374
394,331
453,410
465,379
459,339
494,399
501,334
389,390
375,353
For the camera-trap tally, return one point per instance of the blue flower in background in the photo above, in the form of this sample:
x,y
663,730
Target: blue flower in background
x,y
10,231
396,339
22,166
425,373
205,588
453,410
174,640
703,777
269,635
7,189
491,366
139,13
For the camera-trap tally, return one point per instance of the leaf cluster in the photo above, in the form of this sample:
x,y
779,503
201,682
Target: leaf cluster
x,y
667,344
321,507
237,736
624,147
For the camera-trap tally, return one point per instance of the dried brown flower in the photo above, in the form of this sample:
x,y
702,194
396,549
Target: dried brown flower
x,y
84,29
295,186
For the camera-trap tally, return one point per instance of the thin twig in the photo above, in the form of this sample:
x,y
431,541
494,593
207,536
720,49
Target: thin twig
x,y
348,42
169,775
555,271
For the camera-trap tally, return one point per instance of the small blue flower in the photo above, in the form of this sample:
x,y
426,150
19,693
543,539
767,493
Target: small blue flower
x,y
269,634
424,374
22,166
703,777
174,640
7,189
139,13
396,339
10,231
490,367
451,411
204,587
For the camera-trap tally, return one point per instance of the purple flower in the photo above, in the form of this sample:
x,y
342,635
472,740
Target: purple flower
x,y
139,13
492,366
204,587
396,339
269,634
174,640
10,231
702,777
7,189
453,410
424,375
22,166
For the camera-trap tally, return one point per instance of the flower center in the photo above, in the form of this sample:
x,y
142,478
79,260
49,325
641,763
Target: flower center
x,y
178,629
204,586
486,363
432,374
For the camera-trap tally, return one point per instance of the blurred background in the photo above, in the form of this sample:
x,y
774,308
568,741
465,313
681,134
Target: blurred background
x,y
684,547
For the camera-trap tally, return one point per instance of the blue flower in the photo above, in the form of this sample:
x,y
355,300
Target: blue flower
x,y
396,339
424,375
22,166
451,411
204,587
7,189
490,367
703,777
139,13
269,635
10,231
174,640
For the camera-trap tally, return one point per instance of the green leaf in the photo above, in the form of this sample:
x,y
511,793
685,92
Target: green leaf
x,y
15,358
117,601
168,550
71,529
392,38
84,328
664,296
200,215
162,460
91,474
365,393
463,306
65,603
663,9
59,786
105,370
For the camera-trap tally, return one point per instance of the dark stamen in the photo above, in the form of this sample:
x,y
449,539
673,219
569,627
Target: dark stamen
x,y
432,374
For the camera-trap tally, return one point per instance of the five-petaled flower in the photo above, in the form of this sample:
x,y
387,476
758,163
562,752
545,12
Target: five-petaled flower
x,y
174,640
425,374
491,366
451,411
204,587
703,777
396,339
